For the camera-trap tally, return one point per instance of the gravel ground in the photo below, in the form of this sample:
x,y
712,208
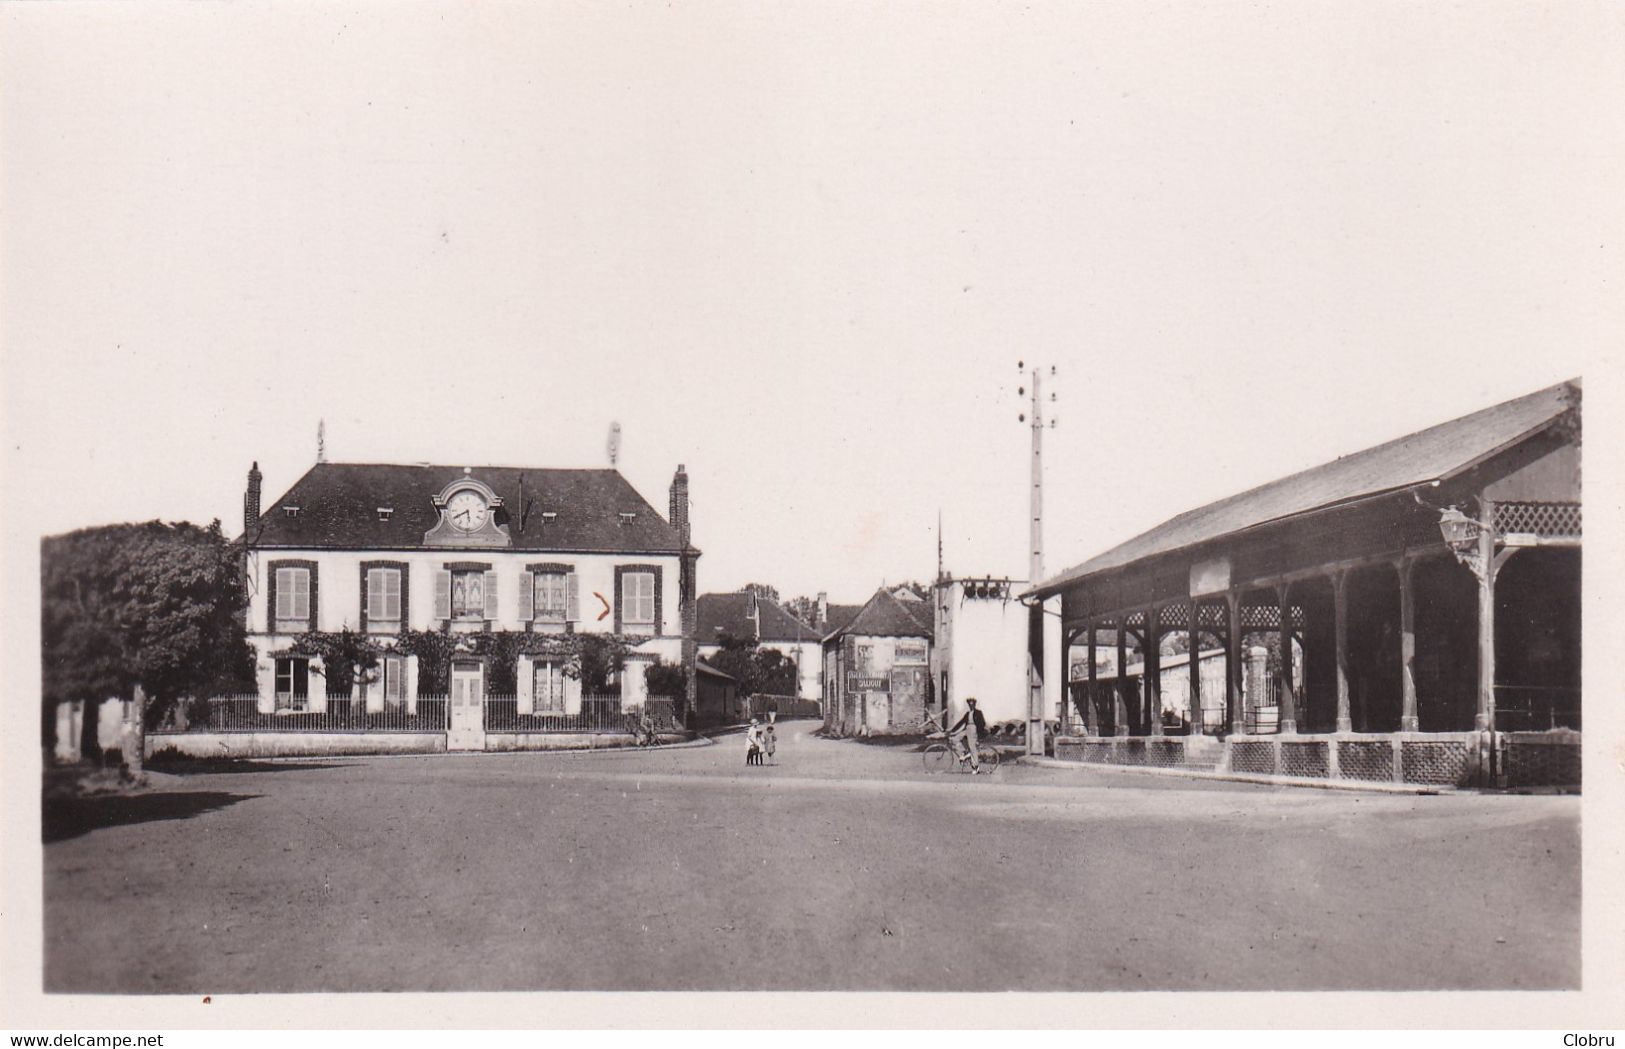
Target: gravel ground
x,y
844,867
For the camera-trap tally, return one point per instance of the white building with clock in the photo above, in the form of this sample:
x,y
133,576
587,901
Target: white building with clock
x,y
386,548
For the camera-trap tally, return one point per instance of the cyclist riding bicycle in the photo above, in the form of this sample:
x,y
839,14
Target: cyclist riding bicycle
x,y
966,731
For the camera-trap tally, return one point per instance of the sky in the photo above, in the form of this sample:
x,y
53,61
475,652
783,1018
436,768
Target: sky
x,y
799,248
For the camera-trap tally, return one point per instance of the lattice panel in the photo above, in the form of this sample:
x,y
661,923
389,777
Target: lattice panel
x,y
1543,519
1268,617
1173,617
1098,753
1134,619
1443,762
1541,764
1253,757
1213,617
1304,759
1365,761
1131,752
1165,754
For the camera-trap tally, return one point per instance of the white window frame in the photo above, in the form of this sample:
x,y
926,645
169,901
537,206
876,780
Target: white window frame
x,y
541,582
547,687
397,666
478,611
288,699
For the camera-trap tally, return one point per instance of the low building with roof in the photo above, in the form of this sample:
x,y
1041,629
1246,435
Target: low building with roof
x,y
877,668
1419,602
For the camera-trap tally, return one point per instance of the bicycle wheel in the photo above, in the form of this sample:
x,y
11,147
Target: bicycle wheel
x,y
938,758
988,756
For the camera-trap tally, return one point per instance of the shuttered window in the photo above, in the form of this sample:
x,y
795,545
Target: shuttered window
x,y
384,594
468,595
394,678
638,598
293,593
548,687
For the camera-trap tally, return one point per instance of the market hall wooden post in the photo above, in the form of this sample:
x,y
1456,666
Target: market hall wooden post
x,y
1193,638
1120,692
1066,680
1484,568
1408,721
1091,709
1152,673
1340,630
1235,702
1289,701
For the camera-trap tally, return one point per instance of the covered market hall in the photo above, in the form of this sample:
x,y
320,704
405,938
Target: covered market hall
x,y
1409,613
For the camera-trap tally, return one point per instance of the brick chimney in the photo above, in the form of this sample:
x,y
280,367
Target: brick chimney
x,y
251,504
822,616
679,503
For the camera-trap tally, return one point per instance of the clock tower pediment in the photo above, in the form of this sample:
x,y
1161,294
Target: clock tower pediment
x,y
468,516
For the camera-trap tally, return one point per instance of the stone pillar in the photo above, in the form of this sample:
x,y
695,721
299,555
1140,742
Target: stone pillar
x,y
1066,681
524,678
572,695
316,701
1408,721
634,685
1340,631
70,722
1289,698
1153,670
410,684
265,684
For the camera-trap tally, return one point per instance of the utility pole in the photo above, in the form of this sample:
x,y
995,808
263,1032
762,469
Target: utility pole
x,y
1035,561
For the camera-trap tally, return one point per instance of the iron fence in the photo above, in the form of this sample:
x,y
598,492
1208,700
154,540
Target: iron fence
x,y
597,714
242,713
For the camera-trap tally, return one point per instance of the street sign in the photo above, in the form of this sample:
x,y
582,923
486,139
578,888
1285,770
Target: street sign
x,y
854,683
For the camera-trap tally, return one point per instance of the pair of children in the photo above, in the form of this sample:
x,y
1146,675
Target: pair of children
x,y
761,741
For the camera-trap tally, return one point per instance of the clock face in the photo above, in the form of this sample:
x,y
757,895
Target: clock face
x,y
467,510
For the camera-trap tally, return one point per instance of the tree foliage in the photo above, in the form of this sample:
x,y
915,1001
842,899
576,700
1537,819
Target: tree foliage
x,y
759,671
155,604
763,590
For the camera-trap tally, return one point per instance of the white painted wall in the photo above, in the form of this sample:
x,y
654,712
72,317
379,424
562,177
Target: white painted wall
x,y
985,654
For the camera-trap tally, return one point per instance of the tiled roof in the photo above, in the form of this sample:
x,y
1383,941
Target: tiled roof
x,y
702,667
886,616
1434,454
720,614
339,503
837,616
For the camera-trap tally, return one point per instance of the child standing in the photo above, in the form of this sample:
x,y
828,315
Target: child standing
x,y
770,740
753,743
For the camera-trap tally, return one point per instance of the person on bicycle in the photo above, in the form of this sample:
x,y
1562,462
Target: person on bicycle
x,y
966,731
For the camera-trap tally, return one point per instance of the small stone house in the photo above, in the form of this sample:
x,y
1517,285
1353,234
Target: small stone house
x,y
877,668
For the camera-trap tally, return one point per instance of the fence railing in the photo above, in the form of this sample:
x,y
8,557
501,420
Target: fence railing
x,y
597,714
243,714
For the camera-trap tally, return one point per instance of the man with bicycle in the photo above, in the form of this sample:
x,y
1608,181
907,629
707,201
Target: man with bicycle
x,y
966,731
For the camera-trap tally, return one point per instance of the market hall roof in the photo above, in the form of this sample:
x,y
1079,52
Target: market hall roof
x,y
1435,454
731,615
340,507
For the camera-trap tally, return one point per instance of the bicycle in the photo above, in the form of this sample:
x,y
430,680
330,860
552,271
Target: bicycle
x,y
943,756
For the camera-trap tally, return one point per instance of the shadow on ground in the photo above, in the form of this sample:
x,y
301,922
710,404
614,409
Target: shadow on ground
x,y
64,818
231,766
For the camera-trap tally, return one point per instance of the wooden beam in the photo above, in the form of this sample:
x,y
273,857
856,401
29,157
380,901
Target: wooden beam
x,y
1289,699
1340,630
1408,721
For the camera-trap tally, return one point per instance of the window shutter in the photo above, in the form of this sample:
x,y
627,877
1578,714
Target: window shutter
x,y
284,593
375,593
392,677
301,594
392,593
527,597
572,599
525,679
442,595
491,596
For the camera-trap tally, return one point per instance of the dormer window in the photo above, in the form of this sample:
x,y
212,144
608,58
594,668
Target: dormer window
x,y
549,516
384,512
291,511
627,517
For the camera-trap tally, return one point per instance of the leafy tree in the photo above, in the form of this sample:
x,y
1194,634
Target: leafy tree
x,y
759,671
155,605
666,679
762,590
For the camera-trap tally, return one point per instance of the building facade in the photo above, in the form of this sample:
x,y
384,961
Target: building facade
x,y
877,669
746,616
385,550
